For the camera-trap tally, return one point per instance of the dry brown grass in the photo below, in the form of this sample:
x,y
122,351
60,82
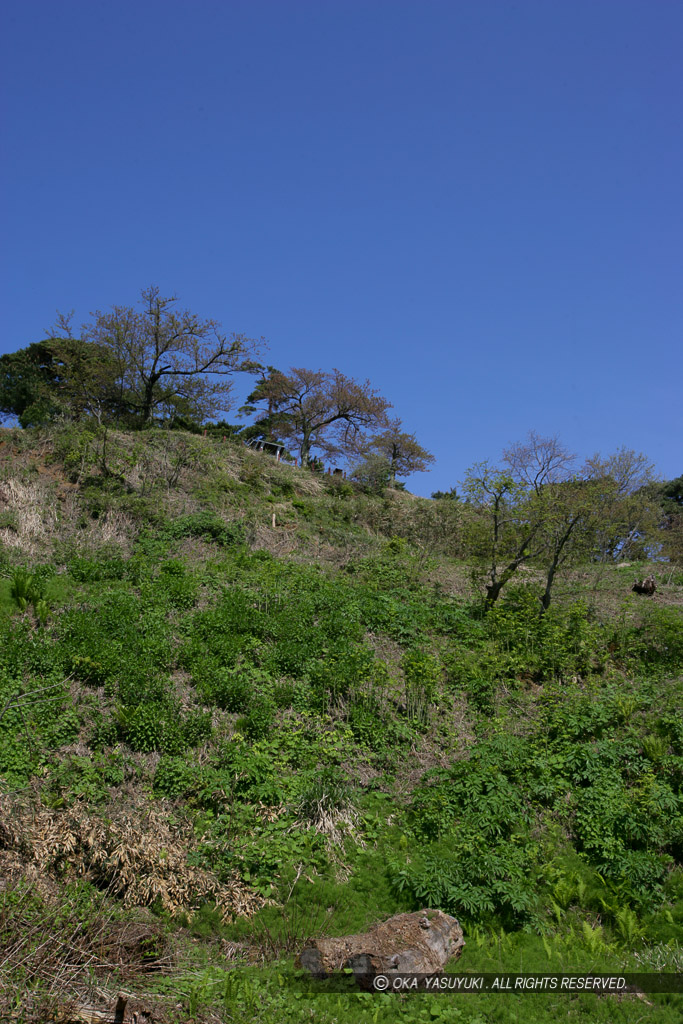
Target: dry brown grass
x,y
334,823
34,513
303,481
43,513
606,588
56,962
140,855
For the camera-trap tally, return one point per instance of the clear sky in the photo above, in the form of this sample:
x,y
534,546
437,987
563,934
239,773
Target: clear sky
x,y
476,204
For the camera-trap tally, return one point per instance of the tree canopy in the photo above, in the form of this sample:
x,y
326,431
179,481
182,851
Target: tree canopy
x,y
130,365
400,449
316,410
538,509
170,359
58,376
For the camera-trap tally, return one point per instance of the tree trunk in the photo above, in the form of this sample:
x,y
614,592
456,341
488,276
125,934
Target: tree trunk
x,y
305,449
494,588
148,399
545,600
552,570
419,943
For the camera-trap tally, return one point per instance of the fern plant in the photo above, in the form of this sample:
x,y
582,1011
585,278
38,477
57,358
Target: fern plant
x,y
28,589
24,589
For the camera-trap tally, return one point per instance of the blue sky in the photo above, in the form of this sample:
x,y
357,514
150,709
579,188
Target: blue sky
x,y
476,205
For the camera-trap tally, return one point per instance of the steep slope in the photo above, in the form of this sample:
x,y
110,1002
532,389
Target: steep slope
x,y
241,704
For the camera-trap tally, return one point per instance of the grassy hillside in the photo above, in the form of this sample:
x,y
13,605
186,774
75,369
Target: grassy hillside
x,y
242,704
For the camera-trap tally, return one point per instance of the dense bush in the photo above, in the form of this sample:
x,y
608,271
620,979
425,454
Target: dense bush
x,y
208,526
229,688
258,721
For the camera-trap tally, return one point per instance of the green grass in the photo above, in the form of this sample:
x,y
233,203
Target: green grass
x,y
7,605
350,738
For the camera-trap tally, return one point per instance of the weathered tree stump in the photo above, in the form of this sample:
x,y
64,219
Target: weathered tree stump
x,y
419,943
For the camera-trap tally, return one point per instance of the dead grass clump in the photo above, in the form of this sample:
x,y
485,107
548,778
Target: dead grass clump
x,y
140,856
114,529
35,515
335,823
277,541
327,808
53,955
303,481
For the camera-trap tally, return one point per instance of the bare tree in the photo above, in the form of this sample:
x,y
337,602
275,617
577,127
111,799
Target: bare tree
x,y
167,356
545,466
538,461
315,409
523,511
626,512
538,510
504,527
628,470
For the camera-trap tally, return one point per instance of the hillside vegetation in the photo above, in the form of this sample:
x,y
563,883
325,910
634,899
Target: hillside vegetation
x,y
242,703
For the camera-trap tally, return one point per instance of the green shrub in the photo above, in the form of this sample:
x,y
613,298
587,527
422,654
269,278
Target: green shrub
x,y
153,726
9,521
659,640
258,721
26,588
18,761
172,591
475,854
173,777
292,694
121,644
231,689
338,487
173,567
139,682
474,672
87,570
627,831
87,670
86,778
366,721
284,694
25,652
472,877
303,507
344,665
282,488
372,475
197,727
105,732
64,727
208,525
